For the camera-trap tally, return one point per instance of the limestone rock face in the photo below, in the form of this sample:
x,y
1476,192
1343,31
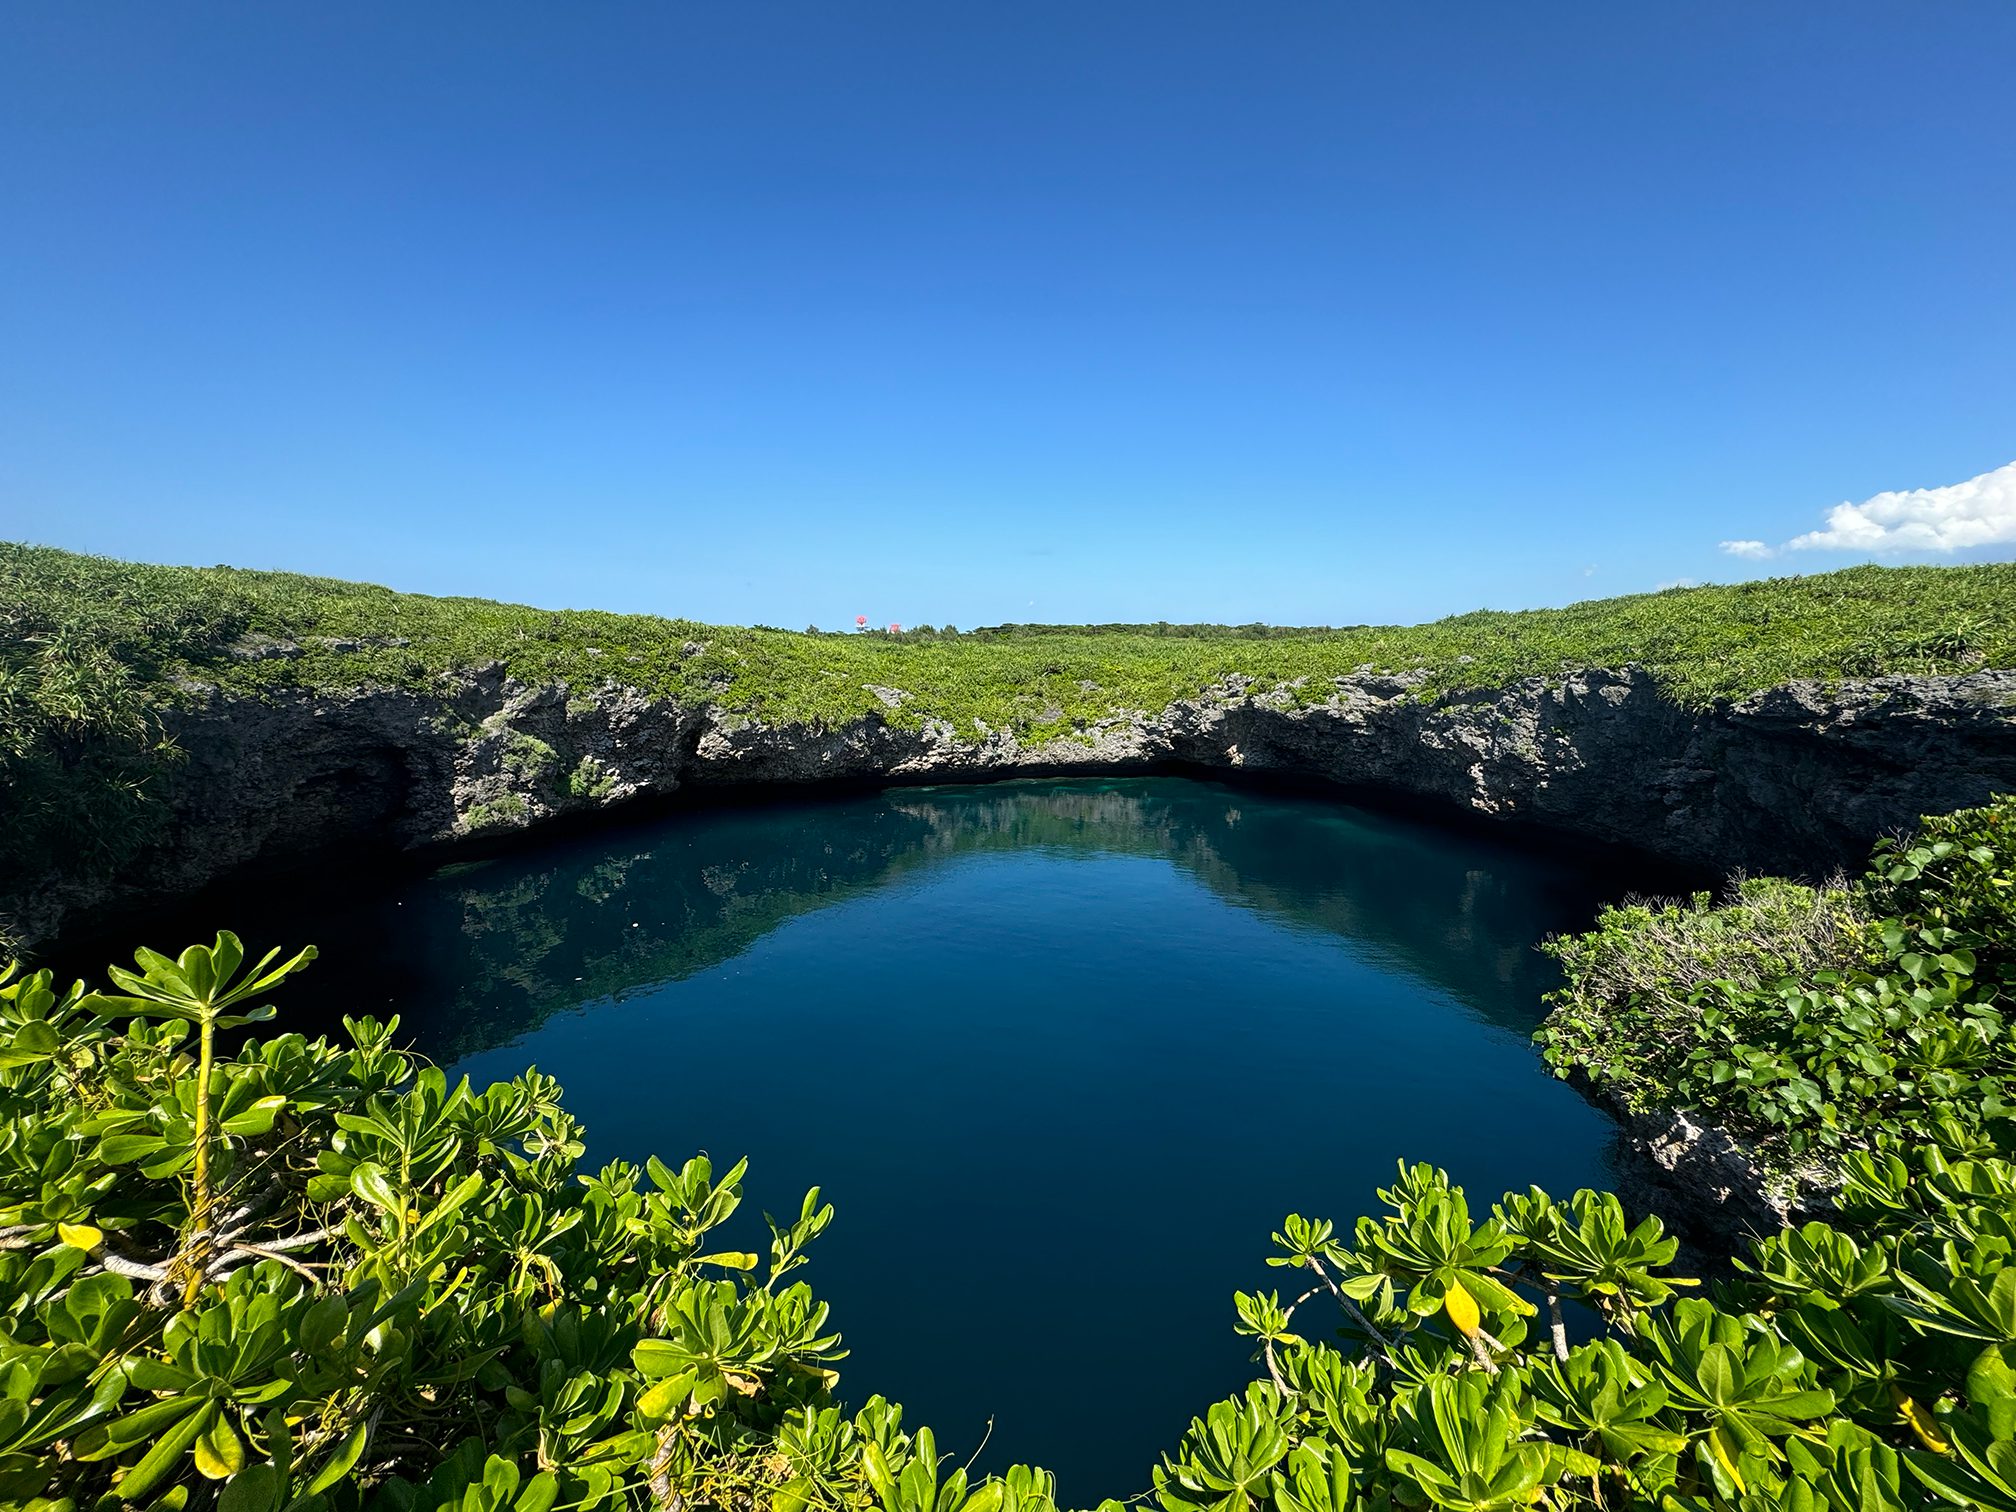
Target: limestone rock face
x,y
1707,1186
1798,779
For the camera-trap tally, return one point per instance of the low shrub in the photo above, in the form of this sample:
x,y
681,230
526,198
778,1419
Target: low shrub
x,y
1863,1366
1629,1012
1812,1021
309,1275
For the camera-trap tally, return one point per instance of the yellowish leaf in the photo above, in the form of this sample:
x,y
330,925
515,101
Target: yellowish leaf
x,y
1722,1444
1922,1422
1462,1310
219,1454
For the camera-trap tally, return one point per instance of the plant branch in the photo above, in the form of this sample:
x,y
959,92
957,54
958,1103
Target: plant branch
x,y
1352,1310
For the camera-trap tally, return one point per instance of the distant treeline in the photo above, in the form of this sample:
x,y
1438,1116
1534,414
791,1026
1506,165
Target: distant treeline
x,y
1159,628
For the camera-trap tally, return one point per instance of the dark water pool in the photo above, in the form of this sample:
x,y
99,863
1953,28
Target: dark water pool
x,y
1062,1054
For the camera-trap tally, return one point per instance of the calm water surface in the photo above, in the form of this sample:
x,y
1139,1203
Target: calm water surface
x,y
1062,1054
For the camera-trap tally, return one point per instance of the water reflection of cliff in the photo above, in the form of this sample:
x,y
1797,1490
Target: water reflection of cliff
x,y
485,952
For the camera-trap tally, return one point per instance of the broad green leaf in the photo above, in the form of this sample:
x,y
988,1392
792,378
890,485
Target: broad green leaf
x,y
340,1463
160,1461
256,1488
219,1452
662,1398
156,1375
660,1357
539,1494
108,1440
124,1149
876,1469
257,1119
452,1200
370,1182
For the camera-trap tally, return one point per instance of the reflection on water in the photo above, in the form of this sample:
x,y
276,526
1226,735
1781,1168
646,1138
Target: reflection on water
x,y
484,951
1062,1054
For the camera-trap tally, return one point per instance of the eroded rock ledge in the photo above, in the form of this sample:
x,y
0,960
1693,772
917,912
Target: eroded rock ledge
x,y
1798,779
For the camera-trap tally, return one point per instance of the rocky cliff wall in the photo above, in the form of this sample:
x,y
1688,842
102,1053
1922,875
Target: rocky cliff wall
x,y
1798,779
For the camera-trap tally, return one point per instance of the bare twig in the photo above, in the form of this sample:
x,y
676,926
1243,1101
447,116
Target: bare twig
x,y
1267,1344
1351,1310
294,1241
259,1253
1273,1370
1557,1325
661,1473
1481,1345
240,1218
119,1265
981,1449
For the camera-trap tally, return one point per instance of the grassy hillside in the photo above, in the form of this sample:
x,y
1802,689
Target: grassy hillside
x,y
91,649
1703,643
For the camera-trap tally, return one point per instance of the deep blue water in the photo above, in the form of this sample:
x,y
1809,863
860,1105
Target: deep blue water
x,y
1062,1054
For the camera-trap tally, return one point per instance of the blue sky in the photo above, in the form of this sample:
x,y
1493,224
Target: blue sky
x,y
959,312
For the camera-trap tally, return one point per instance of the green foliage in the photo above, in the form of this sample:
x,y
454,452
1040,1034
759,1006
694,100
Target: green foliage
x,y
1955,876
252,630
312,1276
1862,1366
528,757
88,650
590,779
1808,1022
504,809
1628,1010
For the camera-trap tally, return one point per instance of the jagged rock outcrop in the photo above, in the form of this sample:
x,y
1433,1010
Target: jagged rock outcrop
x,y
1799,779
1707,1185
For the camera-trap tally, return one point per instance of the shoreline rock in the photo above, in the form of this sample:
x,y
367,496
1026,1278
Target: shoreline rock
x,y
1798,779
1705,1184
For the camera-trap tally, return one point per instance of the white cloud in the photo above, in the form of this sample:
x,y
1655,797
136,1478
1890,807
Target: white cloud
x,y
1979,512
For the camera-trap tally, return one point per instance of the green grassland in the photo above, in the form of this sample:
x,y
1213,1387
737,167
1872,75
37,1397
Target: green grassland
x,y
82,636
92,651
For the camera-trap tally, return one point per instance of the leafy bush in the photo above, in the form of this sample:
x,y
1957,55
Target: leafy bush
x,y
304,1276
307,1275
1629,1012
1864,1366
1812,1022
1956,876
